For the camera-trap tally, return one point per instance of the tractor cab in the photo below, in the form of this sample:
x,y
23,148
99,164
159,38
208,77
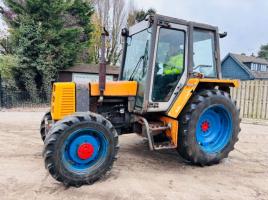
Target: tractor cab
x,y
161,53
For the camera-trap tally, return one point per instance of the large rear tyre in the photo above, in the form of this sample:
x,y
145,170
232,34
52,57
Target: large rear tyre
x,y
209,127
44,126
80,149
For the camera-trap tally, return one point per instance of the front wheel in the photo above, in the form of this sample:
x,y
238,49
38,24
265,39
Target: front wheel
x,y
80,149
209,127
45,125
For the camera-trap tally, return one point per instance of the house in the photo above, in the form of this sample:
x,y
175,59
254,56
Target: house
x,y
243,67
85,73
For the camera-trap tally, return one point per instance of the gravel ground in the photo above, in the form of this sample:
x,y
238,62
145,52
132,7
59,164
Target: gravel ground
x,y
138,173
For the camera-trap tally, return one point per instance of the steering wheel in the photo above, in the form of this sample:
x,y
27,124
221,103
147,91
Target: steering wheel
x,y
198,66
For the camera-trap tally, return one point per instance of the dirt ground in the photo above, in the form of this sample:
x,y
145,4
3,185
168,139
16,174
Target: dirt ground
x,y
137,174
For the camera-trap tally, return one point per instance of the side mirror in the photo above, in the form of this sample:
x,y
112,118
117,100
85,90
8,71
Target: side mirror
x,y
125,32
124,35
223,35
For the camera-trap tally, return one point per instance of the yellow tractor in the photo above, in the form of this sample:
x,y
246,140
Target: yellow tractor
x,y
170,91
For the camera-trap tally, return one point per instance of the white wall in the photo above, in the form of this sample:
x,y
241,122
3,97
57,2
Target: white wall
x,y
86,78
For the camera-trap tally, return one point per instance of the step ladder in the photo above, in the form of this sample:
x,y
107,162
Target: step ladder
x,y
154,128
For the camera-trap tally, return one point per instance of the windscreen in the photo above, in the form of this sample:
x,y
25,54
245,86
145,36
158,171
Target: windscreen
x,y
137,56
136,61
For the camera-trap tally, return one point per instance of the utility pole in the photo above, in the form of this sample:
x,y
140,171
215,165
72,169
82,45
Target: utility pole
x,y
1,92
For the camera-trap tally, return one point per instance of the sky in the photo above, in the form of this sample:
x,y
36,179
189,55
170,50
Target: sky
x,y
246,21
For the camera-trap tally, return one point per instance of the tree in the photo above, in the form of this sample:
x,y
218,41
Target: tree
x,y
7,64
5,42
113,15
110,14
48,36
263,53
136,15
6,46
140,15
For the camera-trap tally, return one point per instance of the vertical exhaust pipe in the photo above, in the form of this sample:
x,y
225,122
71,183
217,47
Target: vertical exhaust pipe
x,y
102,70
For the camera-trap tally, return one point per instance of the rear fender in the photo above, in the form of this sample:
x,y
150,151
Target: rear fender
x,y
193,85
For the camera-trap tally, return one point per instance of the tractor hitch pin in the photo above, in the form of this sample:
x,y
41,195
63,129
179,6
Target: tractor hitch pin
x,y
102,70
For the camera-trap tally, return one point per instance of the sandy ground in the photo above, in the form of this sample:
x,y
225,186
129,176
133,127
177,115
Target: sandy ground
x,y
137,174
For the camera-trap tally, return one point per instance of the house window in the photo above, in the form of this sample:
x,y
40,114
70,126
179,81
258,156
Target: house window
x,y
258,67
254,66
263,68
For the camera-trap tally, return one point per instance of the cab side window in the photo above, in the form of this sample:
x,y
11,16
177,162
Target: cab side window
x,y
204,53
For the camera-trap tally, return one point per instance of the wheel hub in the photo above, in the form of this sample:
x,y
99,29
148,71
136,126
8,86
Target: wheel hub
x,y
82,149
85,151
214,129
205,126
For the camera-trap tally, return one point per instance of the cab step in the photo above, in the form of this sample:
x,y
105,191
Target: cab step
x,y
157,128
153,129
164,145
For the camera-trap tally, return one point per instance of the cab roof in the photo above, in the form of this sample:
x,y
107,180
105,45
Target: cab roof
x,y
180,21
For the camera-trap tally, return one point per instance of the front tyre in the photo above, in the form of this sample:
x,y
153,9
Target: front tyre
x,y
209,127
45,125
80,149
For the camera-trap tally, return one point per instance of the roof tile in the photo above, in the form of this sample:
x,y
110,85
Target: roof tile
x,y
249,59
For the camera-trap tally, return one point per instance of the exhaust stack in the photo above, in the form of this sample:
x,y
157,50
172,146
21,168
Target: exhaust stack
x,y
102,71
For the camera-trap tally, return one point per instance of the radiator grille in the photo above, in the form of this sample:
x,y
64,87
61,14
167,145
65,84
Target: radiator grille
x,y
63,100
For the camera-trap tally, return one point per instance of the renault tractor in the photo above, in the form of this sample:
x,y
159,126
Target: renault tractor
x,y
170,91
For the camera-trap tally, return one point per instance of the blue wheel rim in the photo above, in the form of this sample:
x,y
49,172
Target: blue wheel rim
x,y
70,150
214,129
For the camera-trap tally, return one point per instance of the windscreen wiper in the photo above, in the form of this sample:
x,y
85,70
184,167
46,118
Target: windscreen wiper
x,y
136,67
142,58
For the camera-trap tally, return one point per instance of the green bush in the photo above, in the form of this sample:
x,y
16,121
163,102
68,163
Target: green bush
x,y
7,64
48,36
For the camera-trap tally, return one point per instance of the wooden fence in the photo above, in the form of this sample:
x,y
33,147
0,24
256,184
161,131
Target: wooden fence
x,y
252,98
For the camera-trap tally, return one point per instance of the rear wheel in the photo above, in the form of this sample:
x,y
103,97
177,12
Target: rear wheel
x,y
80,149
209,127
44,126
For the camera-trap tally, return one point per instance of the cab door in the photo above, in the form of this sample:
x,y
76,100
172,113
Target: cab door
x,y
169,66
